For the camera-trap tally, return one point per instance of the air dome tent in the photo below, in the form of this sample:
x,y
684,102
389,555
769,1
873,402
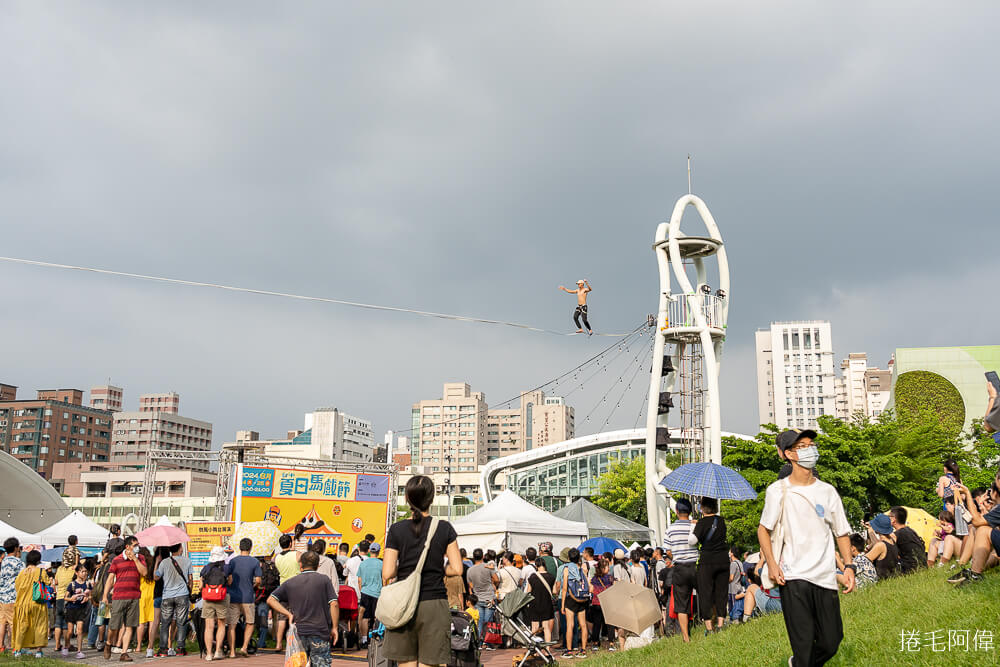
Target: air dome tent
x,y
510,522
602,523
27,501
87,532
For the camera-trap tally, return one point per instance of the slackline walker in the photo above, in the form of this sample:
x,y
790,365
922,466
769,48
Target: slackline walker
x,y
286,295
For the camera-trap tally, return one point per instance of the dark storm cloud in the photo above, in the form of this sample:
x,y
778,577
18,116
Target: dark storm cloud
x,y
469,158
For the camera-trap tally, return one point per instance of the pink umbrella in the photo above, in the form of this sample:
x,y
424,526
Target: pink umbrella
x,y
161,536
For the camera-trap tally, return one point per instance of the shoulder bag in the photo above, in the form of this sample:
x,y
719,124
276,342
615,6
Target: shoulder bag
x,y
777,539
544,583
181,573
40,593
398,601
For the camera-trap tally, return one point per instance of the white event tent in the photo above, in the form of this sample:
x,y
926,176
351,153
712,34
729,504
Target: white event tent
x,y
7,530
510,522
88,533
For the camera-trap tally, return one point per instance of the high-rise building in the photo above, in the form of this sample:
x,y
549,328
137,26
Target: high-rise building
x,y
328,435
55,427
861,388
158,425
450,431
795,379
106,397
8,392
539,420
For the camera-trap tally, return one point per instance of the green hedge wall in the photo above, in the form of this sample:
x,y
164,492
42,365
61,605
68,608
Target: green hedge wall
x,y
923,391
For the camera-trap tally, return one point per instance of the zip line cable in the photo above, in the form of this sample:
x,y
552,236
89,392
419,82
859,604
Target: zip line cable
x,y
287,295
553,382
628,367
638,367
623,347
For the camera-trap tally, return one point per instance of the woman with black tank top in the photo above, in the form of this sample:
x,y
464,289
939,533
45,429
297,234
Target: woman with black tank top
x,y
427,636
713,564
884,554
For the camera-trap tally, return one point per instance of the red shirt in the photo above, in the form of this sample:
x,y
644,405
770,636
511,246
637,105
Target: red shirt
x,y
126,578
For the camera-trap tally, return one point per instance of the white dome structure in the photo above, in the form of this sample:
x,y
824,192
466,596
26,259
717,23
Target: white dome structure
x,y
31,502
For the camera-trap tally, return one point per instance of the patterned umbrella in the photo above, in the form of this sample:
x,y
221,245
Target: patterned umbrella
x,y
263,534
709,479
161,536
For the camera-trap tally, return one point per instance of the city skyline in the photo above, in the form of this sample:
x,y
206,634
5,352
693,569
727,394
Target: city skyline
x,y
418,160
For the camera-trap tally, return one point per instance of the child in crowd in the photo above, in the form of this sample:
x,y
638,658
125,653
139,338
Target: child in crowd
x,y
77,599
945,544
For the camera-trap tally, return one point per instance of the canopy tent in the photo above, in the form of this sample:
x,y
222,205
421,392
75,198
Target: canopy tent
x,y
7,530
510,522
27,501
88,533
602,523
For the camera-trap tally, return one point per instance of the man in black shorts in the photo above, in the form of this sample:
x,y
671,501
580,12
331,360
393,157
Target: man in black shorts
x,y
685,562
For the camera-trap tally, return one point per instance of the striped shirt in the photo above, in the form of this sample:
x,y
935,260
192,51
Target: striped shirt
x,y
676,540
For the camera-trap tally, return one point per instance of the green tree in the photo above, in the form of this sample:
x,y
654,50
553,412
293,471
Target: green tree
x,y
622,490
872,464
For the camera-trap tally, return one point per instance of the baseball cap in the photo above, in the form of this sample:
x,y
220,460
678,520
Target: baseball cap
x,y
619,554
217,554
788,438
375,547
580,282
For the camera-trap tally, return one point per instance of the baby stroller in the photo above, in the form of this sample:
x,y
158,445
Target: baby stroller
x,y
537,649
464,640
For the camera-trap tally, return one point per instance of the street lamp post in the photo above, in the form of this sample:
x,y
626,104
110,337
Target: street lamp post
x,y
447,483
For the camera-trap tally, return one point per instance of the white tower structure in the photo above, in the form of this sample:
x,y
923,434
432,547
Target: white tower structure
x,y
690,330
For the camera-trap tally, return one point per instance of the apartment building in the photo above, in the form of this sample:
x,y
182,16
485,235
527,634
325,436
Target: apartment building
x,y
106,397
861,388
158,425
795,378
451,430
327,435
539,420
54,427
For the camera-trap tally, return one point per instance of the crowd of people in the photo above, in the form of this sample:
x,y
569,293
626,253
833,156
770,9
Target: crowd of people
x,y
129,596
129,599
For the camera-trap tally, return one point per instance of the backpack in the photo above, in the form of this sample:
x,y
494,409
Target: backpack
x,y
269,580
579,587
213,583
97,592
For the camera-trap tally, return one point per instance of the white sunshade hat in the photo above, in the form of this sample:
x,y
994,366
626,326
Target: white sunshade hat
x,y
580,282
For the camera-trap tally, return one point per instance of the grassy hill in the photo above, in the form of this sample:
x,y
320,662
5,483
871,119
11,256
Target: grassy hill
x,y
873,621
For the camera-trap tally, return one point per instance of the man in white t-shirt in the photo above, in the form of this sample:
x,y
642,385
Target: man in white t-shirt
x,y
353,563
807,572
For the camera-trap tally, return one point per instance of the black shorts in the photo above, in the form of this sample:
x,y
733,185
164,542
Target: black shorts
x,y
684,584
995,539
369,603
574,606
76,615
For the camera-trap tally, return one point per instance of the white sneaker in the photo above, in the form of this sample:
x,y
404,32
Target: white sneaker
x,y
116,649
171,652
208,658
149,653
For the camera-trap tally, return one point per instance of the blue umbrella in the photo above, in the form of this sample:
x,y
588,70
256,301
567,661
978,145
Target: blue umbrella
x,y
709,479
53,555
602,544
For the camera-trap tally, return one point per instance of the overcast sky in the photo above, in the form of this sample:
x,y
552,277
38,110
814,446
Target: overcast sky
x,y
469,158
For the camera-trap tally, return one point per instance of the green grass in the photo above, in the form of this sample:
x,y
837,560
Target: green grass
x,y
873,621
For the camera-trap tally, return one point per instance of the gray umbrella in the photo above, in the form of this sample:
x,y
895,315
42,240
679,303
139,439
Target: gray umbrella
x,y
512,603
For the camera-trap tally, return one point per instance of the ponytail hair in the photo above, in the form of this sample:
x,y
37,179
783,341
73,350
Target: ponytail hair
x,y
419,495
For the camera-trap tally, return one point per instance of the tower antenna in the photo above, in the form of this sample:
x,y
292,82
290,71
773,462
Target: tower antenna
x,y
689,173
